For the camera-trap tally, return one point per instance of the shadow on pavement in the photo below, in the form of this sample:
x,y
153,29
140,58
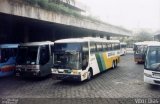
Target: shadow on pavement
x,y
154,87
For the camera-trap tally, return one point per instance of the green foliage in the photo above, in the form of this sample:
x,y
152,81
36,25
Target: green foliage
x,y
42,3
143,36
53,6
31,1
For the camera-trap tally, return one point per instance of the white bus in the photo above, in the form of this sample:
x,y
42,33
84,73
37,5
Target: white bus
x,y
34,59
139,49
82,58
123,47
152,64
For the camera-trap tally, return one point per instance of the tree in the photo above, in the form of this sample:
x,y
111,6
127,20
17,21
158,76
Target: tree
x,y
143,36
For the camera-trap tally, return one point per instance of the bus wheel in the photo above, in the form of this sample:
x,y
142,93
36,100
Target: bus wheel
x,y
116,64
89,75
113,65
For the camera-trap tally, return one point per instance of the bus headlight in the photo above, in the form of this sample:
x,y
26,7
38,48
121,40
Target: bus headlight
x,y
76,72
147,75
54,70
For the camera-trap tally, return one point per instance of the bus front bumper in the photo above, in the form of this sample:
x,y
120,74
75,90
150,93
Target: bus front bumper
x,y
138,60
27,74
151,80
66,77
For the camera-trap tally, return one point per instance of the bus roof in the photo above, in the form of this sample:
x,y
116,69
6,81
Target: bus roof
x,y
85,39
9,45
145,43
154,44
36,43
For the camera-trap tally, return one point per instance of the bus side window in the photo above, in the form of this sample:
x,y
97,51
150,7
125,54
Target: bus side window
x,y
92,48
113,46
117,46
85,56
44,54
99,47
104,47
108,47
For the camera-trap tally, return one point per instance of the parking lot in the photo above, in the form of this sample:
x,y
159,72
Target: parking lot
x,y
126,81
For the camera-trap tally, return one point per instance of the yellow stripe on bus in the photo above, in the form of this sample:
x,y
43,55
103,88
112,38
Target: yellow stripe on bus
x,y
105,60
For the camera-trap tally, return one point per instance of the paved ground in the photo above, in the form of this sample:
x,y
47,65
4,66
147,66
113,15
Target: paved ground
x,y
124,82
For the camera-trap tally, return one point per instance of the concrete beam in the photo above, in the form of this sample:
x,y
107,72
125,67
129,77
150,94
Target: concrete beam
x,y
19,8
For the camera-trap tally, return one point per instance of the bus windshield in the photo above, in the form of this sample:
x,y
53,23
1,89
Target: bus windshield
x,y
140,49
27,55
153,58
66,55
6,53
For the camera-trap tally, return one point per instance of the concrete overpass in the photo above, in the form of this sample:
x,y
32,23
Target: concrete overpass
x,y
156,37
20,22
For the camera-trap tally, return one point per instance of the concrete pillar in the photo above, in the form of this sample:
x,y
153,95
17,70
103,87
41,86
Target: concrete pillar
x,y
108,37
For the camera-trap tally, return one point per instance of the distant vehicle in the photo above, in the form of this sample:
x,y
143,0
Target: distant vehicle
x,y
34,59
123,47
139,50
152,64
82,58
7,59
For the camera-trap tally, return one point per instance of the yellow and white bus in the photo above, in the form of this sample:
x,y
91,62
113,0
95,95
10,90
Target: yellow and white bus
x,y
82,58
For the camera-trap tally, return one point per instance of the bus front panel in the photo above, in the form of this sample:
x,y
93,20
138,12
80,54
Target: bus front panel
x,y
152,65
70,61
33,61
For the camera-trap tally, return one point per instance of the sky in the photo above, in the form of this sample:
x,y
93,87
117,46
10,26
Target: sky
x,y
130,14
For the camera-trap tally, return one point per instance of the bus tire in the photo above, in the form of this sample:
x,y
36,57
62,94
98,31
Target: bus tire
x,y
89,75
113,64
116,63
